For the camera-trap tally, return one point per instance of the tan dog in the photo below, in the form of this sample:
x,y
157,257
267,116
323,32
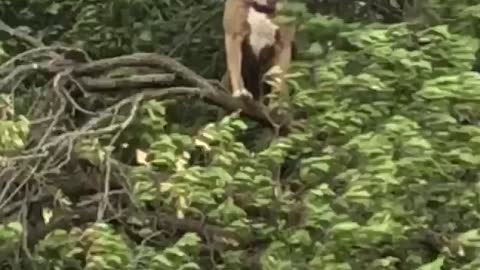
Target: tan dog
x,y
254,43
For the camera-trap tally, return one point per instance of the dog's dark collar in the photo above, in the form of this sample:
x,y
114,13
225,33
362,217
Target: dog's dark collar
x,y
267,9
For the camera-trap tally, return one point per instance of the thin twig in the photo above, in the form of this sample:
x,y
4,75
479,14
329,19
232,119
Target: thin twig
x,y
20,35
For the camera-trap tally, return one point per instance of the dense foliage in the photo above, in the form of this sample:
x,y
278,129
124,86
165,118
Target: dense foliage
x,y
380,168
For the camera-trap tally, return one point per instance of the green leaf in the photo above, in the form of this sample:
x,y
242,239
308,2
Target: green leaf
x,y
188,239
53,8
190,266
177,252
435,265
470,238
300,237
16,226
163,260
345,226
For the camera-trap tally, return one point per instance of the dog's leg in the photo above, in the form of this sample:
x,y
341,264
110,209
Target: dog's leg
x,y
282,60
233,49
283,56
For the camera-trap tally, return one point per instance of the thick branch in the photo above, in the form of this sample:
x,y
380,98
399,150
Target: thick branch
x,y
136,81
220,98
207,91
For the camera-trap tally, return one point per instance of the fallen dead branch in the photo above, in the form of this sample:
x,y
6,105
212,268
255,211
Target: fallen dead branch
x,y
135,81
207,90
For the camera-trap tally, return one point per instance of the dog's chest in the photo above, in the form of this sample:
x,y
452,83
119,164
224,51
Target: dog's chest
x,y
262,31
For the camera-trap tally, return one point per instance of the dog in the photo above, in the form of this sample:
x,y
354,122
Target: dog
x,y
254,43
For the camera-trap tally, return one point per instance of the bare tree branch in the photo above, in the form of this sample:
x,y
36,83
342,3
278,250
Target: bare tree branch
x,y
22,36
135,81
223,99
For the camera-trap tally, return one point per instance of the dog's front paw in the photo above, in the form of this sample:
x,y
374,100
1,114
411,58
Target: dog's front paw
x,y
242,93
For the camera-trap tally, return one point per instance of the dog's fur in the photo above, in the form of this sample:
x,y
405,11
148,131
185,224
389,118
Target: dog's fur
x,y
253,45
